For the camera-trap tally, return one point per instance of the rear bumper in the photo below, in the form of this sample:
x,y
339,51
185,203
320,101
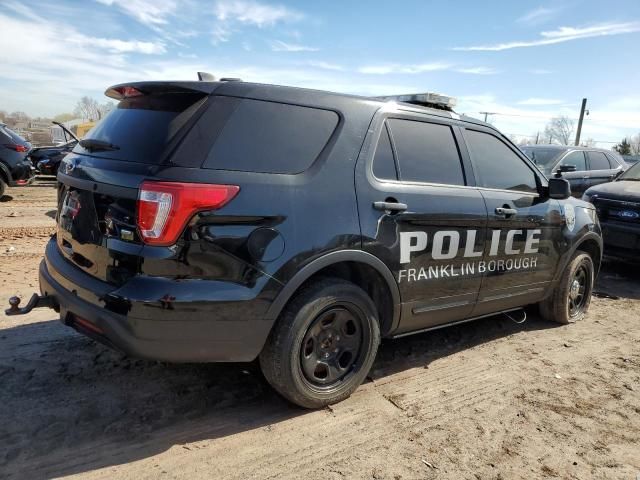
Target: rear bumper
x,y
202,332
621,241
22,174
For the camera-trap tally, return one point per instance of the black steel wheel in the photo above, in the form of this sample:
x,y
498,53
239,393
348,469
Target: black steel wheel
x,y
332,347
570,300
323,344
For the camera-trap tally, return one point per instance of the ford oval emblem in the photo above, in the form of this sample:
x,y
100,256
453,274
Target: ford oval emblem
x,y
629,214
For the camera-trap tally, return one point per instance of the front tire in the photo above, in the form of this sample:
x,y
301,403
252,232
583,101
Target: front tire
x,y
570,300
323,345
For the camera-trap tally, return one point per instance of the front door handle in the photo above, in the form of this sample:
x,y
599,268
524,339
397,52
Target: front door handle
x,y
506,212
390,206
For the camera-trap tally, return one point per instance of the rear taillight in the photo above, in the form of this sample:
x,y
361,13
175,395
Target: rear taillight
x,y
164,208
17,148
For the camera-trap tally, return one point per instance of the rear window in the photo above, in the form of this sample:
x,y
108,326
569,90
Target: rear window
x,y
598,161
12,136
269,137
142,128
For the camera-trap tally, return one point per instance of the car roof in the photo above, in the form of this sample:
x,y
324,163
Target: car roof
x,y
287,94
566,147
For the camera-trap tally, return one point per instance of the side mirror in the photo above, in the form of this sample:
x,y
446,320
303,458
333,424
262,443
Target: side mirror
x,y
564,169
559,188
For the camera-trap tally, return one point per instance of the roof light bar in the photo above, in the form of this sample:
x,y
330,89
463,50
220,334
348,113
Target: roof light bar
x,y
427,99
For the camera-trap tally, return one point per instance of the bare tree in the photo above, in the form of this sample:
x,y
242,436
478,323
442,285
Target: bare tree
x,y
105,108
87,109
560,130
635,144
589,142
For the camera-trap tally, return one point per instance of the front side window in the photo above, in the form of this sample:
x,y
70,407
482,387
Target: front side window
x,y
598,161
427,152
576,159
497,166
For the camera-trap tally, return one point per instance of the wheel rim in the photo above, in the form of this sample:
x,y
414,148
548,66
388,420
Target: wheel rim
x,y
332,347
578,291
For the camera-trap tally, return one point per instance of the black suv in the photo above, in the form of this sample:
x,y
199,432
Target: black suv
x,y
229,221
583,167
15,167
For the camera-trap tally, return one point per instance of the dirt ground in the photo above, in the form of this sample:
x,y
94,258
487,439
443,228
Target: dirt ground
x,y
489,399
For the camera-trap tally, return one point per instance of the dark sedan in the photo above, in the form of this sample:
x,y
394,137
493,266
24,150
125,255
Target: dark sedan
x,y
47,159
618,206
584,167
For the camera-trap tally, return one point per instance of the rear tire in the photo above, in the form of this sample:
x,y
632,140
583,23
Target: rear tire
x,y
3,187
323,344
570,299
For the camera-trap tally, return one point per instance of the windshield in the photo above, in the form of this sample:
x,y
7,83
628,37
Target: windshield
x,y
632,174
544,158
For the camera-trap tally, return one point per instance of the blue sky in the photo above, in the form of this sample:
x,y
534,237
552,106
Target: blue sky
x,y
526,61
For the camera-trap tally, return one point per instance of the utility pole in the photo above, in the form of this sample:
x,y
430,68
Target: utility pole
x,y
538,138
582,110
485,114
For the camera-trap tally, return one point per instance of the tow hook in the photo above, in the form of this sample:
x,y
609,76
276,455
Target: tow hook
x,y
36,301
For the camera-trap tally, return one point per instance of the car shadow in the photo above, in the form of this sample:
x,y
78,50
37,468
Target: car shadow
x,y
51,214
6,198
618,279
70,405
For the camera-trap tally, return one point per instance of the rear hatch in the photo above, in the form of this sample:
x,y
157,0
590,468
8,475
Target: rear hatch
x,y
100,179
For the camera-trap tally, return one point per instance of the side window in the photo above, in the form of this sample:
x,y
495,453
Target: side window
x,y
497,166
427,152
613,161
269,137
384,166
598,161
575,158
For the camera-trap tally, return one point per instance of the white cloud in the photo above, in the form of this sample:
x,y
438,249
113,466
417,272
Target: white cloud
x,y
561,35
326,65
120,46
477,70
280,46
403,69
148,12
538,15
250,12
540,101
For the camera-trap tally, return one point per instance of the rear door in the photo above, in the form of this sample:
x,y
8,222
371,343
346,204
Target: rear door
x,y
418,214
99,181
524,228
600,169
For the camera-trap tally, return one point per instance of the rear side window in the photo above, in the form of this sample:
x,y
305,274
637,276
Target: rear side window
x,y
576,159
497,166
598,161
141,129
427,152
270,137
384,166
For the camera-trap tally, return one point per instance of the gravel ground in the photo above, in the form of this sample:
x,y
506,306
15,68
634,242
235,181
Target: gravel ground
x,y
489,399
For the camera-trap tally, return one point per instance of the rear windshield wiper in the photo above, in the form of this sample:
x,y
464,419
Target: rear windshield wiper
x,y
97,145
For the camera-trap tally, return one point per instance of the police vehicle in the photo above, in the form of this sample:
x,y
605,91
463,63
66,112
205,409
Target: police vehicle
x,y
219,221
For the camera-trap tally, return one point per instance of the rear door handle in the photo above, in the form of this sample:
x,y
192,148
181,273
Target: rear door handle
x,y
390,206
506,212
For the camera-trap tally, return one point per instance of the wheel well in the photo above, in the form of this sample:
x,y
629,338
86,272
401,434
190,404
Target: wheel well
x,y
367,278
592,248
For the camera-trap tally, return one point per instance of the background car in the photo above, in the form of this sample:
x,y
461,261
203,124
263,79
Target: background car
x,y
618,206
47,159
15,168
592,165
